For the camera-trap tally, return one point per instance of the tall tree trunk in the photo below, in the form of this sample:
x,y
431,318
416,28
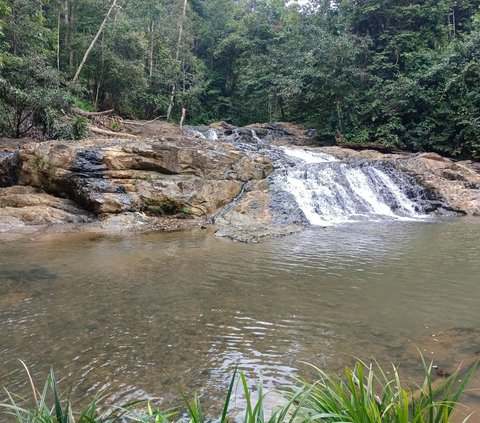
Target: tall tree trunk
x,y
14,28
95,103
454,23
282,108
68,20
150,52
177,55
92,44
339,116
182,119
58,38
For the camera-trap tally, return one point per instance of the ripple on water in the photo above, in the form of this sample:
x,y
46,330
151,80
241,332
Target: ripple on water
x,y
144,315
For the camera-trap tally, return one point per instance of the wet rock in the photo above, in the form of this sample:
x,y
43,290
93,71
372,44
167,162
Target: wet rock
x,y
28,206
252,209
89,162
253,218
454,184
252,234
179,175
9,168
453,175
285,209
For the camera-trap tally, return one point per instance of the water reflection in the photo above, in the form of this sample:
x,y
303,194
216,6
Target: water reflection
x,y
146,315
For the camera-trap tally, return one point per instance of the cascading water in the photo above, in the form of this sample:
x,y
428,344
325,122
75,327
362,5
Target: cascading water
x,y
314,187
330,191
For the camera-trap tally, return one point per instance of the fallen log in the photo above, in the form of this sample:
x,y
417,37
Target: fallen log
x,y
132,122
100,131
81,112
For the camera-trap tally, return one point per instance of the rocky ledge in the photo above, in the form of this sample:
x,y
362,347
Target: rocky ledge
x,y
170,179
121,184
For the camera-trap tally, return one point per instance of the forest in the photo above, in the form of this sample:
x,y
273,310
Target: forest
x,y
404,73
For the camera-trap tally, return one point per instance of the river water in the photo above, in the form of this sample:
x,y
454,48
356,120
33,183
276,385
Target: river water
x,y
157,313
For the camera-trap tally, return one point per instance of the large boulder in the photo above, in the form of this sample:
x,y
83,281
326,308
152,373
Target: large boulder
x,y
159,176
26,206
456,184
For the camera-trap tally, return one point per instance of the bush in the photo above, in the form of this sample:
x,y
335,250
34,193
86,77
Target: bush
x,y
32,98
79,128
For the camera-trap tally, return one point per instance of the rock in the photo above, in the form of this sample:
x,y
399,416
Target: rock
x,y
453,175
250,219
9,168
27,206
283,133
454,184
116,178
252,209
285,209
255,233
433,156
177,175
173,181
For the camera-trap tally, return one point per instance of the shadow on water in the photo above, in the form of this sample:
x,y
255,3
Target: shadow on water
x,y
33,275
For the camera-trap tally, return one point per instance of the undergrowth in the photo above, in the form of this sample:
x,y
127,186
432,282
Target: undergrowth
x,y
364,394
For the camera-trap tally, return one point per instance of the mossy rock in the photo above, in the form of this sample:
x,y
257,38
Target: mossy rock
x,y
161,205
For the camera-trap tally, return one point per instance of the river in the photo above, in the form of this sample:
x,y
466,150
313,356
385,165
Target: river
x,y
154,313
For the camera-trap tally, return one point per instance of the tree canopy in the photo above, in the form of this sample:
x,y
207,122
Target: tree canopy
x,y
404,73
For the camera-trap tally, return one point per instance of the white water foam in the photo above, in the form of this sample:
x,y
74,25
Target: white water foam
x,y
329,191
361,186
309,156
211,134
255,136
407,205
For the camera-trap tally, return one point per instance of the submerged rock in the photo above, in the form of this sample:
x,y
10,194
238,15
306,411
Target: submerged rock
x,y
252,234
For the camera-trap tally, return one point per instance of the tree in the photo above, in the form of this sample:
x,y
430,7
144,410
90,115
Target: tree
x,y
92,44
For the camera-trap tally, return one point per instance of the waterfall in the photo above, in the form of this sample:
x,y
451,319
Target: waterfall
x,y
312,187
308,156
206,134
330,191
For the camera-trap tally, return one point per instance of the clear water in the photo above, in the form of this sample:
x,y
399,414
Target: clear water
x,y
150,314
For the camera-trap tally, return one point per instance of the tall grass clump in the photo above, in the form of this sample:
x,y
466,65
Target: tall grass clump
x,y
49,406
368,394
365,394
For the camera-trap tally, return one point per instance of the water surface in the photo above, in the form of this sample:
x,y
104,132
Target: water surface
x,y
150,314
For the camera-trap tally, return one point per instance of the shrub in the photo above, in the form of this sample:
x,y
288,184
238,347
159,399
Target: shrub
x,y
79,128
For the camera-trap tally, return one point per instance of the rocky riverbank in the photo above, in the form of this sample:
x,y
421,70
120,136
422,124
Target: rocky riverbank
x,y
172,179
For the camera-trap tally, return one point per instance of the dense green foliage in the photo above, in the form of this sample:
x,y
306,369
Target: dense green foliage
x,y
401,72
365,394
